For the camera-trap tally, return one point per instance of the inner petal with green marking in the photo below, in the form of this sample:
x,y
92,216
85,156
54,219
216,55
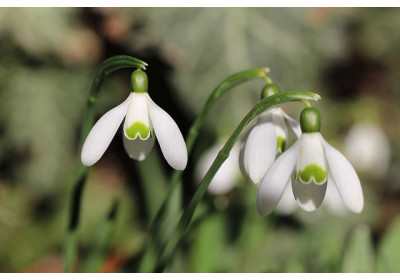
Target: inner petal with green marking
x,y
310,173
281,144
138,129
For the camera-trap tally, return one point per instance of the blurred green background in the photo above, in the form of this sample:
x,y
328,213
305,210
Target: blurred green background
x,y
350,56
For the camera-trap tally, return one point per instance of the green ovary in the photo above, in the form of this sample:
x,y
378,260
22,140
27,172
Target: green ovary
x,y
312,171
281,144
138,128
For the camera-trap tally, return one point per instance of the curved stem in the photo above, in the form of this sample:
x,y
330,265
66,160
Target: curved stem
x,y
183,225
223,87
108,66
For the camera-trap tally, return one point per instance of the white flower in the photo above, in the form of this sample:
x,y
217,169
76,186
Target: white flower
x,y
226,176
367,147
144,121
309,167
265,139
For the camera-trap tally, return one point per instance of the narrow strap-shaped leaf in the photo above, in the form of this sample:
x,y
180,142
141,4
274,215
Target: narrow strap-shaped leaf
x,y
95,259
359,255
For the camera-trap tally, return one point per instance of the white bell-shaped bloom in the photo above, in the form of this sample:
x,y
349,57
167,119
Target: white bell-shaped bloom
x,y
144,121
367,148
225,178
264,140
309,167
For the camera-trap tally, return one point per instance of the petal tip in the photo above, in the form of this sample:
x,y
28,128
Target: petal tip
x,y
263,207
180,165
255,179
357,207
86,161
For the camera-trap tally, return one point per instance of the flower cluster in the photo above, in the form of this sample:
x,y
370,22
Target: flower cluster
x,y
311,168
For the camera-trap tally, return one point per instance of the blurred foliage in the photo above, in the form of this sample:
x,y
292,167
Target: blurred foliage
x,y
47,56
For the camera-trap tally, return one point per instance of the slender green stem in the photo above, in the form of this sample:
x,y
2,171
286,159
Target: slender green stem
x,y
218,92
108,66
183,225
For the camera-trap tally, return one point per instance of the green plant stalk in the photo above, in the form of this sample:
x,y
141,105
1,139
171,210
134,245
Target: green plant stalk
x,y
159,221
108,66
267,103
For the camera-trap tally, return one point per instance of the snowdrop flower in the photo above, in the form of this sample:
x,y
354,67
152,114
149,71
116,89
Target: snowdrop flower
x,y
144,121
367,147
309,167
226,176
265,139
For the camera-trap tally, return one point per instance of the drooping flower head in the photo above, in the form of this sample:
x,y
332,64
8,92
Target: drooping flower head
x,y
309,167
225,178
367,147
265,139
144,122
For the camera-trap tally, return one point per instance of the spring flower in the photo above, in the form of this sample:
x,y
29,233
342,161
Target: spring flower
x,y
309,167
225,178
265,139
367,148
144,121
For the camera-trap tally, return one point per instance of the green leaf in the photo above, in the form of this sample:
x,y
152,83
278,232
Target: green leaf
x,y
359,255
98,253
389,249
207,245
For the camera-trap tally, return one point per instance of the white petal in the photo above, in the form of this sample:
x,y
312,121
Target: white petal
x,y
311,163
241,156
367,148
137,121
102,133
169,137
295,125
345,178
333,202
287,205
226,176
138,148
280,125
259,150
276,179
242,146
308,196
